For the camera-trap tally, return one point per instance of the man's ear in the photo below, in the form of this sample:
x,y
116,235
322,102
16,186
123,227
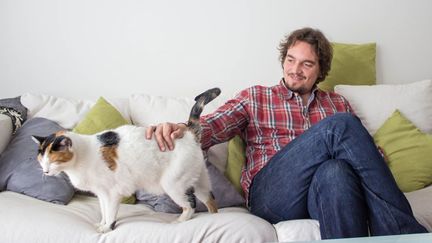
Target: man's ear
x,y
37,139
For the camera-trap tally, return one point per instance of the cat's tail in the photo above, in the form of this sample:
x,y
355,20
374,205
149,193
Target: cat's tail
x,y
201,100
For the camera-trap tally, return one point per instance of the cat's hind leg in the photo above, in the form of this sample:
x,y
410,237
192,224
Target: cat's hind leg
x,y
203,192
188,210
185,198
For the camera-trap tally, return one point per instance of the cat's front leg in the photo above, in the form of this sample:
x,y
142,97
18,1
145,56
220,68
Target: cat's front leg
x,y
102,205
111,206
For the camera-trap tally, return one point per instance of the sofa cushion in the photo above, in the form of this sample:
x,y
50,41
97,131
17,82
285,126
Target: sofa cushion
x,y
298,230
408,152
25,219
20,171
352,64
375,103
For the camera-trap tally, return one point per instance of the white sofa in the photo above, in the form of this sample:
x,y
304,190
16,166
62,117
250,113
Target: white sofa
x,y
27,219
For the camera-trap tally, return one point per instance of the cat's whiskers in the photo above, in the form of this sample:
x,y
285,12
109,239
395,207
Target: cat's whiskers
x,y
44,177
43,174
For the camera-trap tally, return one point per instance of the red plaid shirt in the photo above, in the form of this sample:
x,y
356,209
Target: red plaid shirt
x,y
267,118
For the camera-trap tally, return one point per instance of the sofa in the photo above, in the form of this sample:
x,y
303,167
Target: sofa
x,y
35,208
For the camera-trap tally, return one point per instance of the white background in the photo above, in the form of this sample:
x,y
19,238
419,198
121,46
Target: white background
x,y
88,48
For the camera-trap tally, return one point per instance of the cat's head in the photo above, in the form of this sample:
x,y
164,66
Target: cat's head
x,y
55,152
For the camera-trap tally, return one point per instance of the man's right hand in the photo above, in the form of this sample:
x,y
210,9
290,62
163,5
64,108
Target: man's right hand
x,y
165,133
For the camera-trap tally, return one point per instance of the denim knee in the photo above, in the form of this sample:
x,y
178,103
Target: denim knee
x,y
345,118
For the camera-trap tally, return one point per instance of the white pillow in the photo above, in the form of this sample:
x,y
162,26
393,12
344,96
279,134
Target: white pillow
x,y
148,110
298,230
375,103
5,131
420,202
67,112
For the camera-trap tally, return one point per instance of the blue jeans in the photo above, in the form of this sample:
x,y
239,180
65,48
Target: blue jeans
x,y
333,173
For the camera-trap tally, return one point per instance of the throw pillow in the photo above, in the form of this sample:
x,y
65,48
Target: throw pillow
x,y
67,112
13,108
375,103
148,110
20,171
236,160
352,64
102,116
225,195
408,151
5,131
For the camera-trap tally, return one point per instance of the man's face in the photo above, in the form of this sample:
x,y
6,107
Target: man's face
x,y
301,68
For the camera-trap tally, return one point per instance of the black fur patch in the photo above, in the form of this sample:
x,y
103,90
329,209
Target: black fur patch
x,y
60,143
54,141
191,197
48,140
112,226
108,139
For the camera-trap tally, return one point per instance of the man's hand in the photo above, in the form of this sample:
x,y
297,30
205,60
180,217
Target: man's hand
x,y
165,133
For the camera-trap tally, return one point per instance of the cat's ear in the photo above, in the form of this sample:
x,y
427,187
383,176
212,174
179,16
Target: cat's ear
x,y
37,139
62,143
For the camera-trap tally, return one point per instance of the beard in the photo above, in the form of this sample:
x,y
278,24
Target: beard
x,y
301,90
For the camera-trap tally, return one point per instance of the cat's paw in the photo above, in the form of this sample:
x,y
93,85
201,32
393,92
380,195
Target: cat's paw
x,y
176,221
104,228
97,225
179,220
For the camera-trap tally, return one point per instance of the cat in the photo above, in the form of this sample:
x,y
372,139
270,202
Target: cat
x,y
115,163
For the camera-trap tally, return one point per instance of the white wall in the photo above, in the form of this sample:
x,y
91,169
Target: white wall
x,y
87,48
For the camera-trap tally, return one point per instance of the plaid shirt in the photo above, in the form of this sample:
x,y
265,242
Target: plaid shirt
x,y
267,118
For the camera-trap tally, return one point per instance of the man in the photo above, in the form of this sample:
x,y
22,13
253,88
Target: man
x,y
308,156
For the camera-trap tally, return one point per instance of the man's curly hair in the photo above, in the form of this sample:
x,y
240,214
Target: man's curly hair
x,y
317,40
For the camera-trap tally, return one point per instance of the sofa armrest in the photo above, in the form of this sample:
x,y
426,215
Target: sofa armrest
x,y
5,131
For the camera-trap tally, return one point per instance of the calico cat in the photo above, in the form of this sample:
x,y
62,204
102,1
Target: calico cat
x,y
115,163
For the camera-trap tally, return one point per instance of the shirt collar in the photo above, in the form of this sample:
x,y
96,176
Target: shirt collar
x,y
288,94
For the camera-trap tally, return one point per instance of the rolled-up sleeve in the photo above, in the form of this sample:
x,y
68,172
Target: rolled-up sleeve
x,y
226,122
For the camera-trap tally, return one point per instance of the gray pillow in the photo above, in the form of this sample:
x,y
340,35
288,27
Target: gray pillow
x,y
20,171
225,194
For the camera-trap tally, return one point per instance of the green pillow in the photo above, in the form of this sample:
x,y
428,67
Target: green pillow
x,y
235,162
102,116
352,64
408,152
